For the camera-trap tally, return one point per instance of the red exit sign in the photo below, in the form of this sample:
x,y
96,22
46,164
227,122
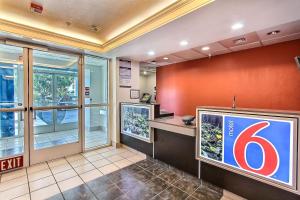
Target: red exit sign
x,y
11,163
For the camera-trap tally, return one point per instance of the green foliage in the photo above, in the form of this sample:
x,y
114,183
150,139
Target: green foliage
x,y
136,121
211,141
43,88
42,84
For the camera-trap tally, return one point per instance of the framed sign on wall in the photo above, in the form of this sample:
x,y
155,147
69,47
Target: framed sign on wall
x,y
260,146
125,73
134,94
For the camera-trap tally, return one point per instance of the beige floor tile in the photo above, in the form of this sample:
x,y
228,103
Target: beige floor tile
x,y
45,193
127,154
101,163
108,154
89,153
123,163
79,162
94,157
65,175
74,157
57,162
136,158
102,150
108,169
13,183
37,167
38,175
14,192
60,168
23,197
120,150
41,183
114,158
84,168
70,183
144,156
91,175
12,175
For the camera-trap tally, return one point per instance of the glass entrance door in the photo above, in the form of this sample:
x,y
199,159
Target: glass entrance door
x,y
54,101
13,105
96,102
51,105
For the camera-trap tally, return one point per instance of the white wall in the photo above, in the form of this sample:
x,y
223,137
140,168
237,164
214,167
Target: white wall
x,y
124,93
119,94
147,83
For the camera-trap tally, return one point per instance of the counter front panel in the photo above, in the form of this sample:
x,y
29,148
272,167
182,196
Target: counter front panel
x,y
135,121
262,146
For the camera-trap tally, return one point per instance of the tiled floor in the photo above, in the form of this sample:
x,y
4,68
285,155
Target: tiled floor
x,y
14,145
106,173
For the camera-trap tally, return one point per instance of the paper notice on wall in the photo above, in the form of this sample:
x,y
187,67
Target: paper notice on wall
x,y
125,73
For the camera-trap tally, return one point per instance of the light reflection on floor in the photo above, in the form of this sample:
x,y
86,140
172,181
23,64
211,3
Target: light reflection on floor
x,y
15,145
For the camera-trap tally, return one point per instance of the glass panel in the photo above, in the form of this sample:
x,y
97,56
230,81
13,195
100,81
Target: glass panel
x,y
96,122
11,133
11,96
135,121
55,127
96,82
55,83
55,79
11,76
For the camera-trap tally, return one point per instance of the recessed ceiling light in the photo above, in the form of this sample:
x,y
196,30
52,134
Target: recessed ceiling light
x,y
166,58
183,43
239,41
273,32
206,48
145,72
151,53
237,26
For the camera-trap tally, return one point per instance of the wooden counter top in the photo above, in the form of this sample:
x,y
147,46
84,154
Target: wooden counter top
x,y
173,124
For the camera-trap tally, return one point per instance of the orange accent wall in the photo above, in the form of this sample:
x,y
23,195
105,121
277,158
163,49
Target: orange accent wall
x,y
265,77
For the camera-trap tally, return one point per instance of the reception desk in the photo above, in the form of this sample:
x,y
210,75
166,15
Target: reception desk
x,y
174,143
135,131
251,152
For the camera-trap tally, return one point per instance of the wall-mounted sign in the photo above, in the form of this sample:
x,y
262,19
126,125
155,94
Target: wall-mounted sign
x,y
134,94
36,8
259,146
87,91
11,163
125,73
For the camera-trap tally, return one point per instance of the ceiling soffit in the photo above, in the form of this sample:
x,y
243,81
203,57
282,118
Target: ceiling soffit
x,y
166,15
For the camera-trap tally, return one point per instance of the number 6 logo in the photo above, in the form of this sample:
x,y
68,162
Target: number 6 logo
x,y
270,156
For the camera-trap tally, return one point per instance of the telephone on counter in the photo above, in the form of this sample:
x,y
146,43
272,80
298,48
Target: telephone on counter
x,y
146,98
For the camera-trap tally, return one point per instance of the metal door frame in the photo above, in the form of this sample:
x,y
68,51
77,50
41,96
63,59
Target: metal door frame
x,y
40,155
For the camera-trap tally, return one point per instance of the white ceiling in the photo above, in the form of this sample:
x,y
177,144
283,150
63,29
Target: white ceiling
x,y
212,25
111,17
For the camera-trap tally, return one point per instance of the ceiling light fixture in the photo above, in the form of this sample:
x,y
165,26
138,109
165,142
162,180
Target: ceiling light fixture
x,y
166,58
151,53
145,72
273,32
240,41
237,26
206,48
183,43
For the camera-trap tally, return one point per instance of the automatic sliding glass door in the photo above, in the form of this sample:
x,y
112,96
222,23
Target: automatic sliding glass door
x,y
96,102
54,105
13,105
41,100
